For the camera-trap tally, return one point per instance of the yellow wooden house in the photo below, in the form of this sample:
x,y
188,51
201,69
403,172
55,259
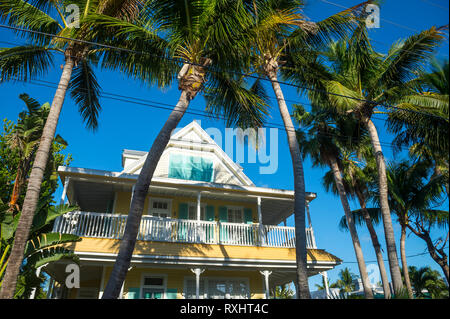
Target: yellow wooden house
x,y
206,232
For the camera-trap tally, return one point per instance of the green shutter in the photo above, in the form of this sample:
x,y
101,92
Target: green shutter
x,y
183,211
133,293
171,294
248,216
223,214
210,213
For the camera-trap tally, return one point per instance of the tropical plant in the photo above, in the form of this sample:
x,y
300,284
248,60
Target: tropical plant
x,y
413,196
42,248
43,25
356,181
24,141
278,29
324,138
282,292
346,280
422,116
359,81
203,35
425,278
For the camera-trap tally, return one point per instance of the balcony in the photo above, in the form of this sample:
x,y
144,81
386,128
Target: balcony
x,y
109,226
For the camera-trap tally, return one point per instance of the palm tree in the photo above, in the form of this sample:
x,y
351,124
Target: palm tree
x,y
324,139
346,280
429,125
426,278
355,182
43,18
279,28
359,81
203,35
25,140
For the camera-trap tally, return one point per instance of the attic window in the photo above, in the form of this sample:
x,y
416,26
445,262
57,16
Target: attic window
x,y
193,168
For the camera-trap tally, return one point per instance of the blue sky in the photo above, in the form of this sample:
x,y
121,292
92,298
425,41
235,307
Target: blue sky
x,y
130,126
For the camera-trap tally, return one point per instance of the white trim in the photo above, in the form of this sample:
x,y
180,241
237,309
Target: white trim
x,y
205,284
207,261
153,275
158,199
131,178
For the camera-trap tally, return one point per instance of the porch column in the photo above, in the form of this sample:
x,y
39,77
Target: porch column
x,y
123,284
199,210
266,274
197,272
308,215
64,193
260,227
132,192
325,279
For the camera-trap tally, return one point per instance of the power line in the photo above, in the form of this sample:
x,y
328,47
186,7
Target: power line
x,y
214,70
197,112
383,19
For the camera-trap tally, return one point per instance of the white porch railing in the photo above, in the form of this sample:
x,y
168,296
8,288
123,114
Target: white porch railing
x,y
100,225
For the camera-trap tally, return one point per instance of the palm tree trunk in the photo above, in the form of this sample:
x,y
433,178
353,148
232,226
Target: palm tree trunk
x,y
376,244
385,211
128,241
352,228
404,263
299,192
34,184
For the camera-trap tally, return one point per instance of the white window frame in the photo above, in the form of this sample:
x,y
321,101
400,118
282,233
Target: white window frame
x,y
206,282
156,199
202,206
153,275
241,208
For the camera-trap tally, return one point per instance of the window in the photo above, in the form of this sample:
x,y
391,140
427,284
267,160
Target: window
x,y
235,215
153,287
193,168
192,212
160,208
217,288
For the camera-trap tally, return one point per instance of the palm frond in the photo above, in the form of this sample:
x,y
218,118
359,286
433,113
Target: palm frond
x,y
85,91
23,63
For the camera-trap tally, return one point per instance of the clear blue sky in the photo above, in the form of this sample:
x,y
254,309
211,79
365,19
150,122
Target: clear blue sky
x,y
131,126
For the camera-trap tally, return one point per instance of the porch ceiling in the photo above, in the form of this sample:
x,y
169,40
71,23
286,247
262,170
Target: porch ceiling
x,y
96,196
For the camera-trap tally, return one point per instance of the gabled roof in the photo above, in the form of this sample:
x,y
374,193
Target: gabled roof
x,y
192,137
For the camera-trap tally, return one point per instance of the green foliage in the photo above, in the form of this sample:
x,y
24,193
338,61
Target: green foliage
x,y
18,144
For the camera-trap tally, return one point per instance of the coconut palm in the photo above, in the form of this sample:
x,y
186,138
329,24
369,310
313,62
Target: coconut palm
x,y
355,182
278,29
426,278
359,81
41,19
346,280
324,138
203,35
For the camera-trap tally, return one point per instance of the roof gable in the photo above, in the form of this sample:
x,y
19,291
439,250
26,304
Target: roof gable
x,y
195,141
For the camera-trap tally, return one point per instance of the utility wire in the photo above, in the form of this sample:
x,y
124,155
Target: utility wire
x,y
387,106
201,113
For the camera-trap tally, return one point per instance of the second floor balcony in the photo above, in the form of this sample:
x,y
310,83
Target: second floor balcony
x,y
112,226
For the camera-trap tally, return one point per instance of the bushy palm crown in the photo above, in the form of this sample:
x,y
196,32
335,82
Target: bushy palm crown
x,y
425,120
175,39
45,18
357,79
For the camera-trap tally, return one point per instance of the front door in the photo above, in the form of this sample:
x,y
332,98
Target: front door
x,y
161,225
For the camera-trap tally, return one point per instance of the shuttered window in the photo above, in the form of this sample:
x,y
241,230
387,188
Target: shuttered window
x,y
193,168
